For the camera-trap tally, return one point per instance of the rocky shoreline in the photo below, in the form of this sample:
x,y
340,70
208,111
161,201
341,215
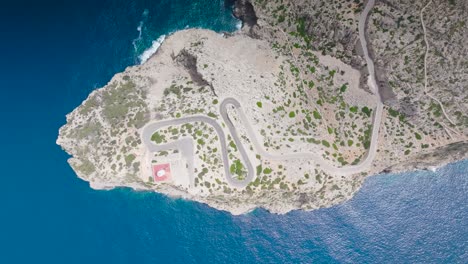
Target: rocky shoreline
x,y
432,160
194,70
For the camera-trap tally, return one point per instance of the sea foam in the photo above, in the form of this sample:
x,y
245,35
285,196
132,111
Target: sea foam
x,y
150,51
135,41
140,29
239,25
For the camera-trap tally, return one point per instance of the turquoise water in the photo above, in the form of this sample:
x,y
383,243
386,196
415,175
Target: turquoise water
x,y
53,53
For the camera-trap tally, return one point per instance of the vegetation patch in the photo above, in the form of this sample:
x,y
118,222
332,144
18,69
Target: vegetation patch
x,y
366,111
325,143
129,159
418,136
317,115
343,88
237,168
158,138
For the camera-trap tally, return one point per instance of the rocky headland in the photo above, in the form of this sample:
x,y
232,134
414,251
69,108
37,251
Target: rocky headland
x,y
286,113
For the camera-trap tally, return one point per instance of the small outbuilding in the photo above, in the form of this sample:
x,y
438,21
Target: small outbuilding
x,y
161,172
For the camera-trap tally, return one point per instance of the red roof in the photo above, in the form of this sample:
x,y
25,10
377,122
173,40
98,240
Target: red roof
x,y
162,172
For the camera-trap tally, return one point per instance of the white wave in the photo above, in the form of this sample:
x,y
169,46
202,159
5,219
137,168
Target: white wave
x,y
239,25
154,47
140,29
135,41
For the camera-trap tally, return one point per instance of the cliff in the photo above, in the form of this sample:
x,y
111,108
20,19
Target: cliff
x,y
283,114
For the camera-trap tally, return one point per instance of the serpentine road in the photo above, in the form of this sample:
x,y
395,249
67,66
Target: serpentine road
x,y
150,128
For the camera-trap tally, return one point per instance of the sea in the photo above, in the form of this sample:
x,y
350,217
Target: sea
x,y
54,53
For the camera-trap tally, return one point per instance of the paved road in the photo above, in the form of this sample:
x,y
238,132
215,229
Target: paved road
x,y
184,145
373,86
363,40
149,129
152,127
324,164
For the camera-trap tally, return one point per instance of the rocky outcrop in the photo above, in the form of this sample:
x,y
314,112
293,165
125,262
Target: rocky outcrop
x,y
244,11
189,62
432,159
289,68
437,105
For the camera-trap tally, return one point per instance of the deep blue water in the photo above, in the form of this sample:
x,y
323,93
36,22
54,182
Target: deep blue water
x,y
53,53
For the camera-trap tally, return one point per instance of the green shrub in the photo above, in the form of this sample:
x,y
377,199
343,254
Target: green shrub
x,y
418,136
281,18
259,169
233,145
129,159
343,88
325,143
237,168
393,113
317,115
366,111
158,138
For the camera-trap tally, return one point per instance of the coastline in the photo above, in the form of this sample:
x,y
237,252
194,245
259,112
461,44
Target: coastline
x,y
167,68
275,206
95,197
174,194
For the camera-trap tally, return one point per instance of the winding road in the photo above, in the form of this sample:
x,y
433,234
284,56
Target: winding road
x,y
426,54
150,128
